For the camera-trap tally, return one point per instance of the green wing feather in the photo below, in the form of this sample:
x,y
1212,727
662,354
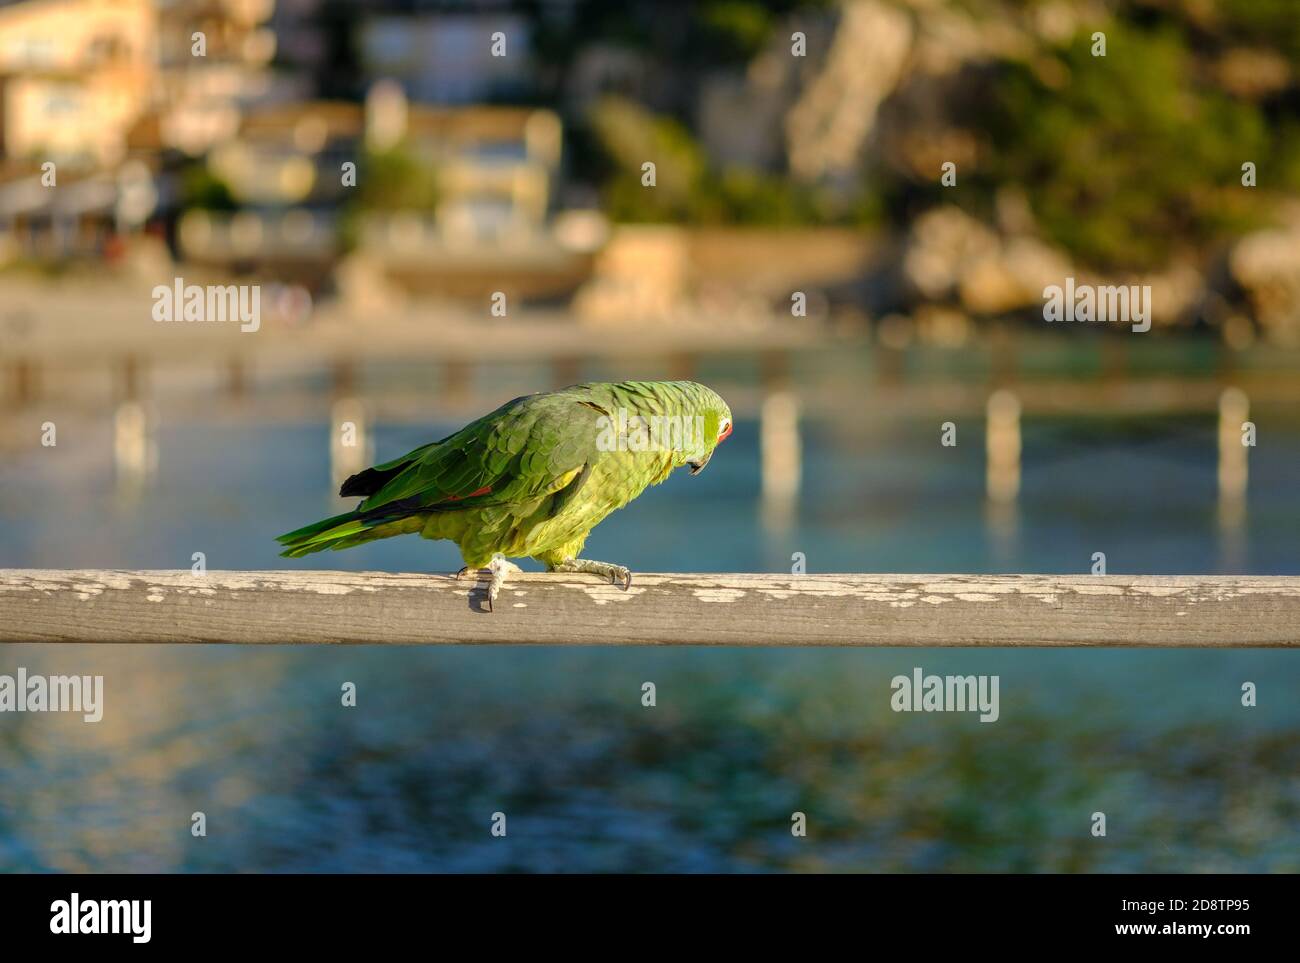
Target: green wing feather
x,y
528,448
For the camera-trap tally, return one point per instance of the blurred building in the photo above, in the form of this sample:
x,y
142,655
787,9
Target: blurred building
x,y
109,92
495,167
201,98
283,170
439,199
495,171
74,75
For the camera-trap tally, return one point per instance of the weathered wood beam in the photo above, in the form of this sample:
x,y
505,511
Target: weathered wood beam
x,y
659,609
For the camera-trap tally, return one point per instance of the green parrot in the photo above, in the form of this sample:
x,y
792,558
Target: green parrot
x,y
532,478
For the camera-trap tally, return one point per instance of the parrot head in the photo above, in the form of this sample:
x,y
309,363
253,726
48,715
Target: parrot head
x,y
716,419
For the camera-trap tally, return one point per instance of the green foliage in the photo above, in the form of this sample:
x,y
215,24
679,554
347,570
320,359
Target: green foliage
x,y
687,189
1123,156
396,180
739,196
631,136
1284,166
1274,24
740,27
392,180
203,190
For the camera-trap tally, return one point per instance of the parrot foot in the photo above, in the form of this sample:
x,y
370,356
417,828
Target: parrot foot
x,y
615,573
500,567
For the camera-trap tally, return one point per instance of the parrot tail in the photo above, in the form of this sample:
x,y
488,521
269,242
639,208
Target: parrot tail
x,y
343,531
320,535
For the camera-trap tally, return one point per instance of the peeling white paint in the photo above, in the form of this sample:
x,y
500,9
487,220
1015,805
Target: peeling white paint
x,y
1157,591
1097,588
717,595
603,592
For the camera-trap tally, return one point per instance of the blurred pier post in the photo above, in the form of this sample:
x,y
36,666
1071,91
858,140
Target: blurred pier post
x,y
1234,411
1002,445
135,430
1002,472
779,443
350,444
135,446
351,448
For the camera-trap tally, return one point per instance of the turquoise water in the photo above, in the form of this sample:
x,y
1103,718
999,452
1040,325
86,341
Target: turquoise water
x,y
557,739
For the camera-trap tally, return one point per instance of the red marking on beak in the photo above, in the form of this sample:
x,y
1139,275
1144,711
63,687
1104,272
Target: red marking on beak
x,y
723,437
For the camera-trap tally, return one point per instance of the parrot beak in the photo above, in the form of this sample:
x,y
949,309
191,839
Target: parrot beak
x,y
697,466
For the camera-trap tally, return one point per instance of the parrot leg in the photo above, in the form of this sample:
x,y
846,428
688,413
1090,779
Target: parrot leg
x,y
615,573
500,567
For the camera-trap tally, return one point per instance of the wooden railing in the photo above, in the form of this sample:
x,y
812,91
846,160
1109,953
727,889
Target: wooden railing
x,y
659,609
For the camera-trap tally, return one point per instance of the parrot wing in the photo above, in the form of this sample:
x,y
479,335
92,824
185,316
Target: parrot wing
x,y
527,448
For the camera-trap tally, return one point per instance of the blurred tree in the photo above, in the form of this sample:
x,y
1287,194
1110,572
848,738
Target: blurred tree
x,y
1122,157
738,29
391,180
200,188
741,196
1271,24
396,180
632,136
687,190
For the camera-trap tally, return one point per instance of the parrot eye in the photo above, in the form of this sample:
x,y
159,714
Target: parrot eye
x,y
725,429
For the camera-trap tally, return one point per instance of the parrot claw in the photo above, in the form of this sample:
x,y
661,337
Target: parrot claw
x,y
500,567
